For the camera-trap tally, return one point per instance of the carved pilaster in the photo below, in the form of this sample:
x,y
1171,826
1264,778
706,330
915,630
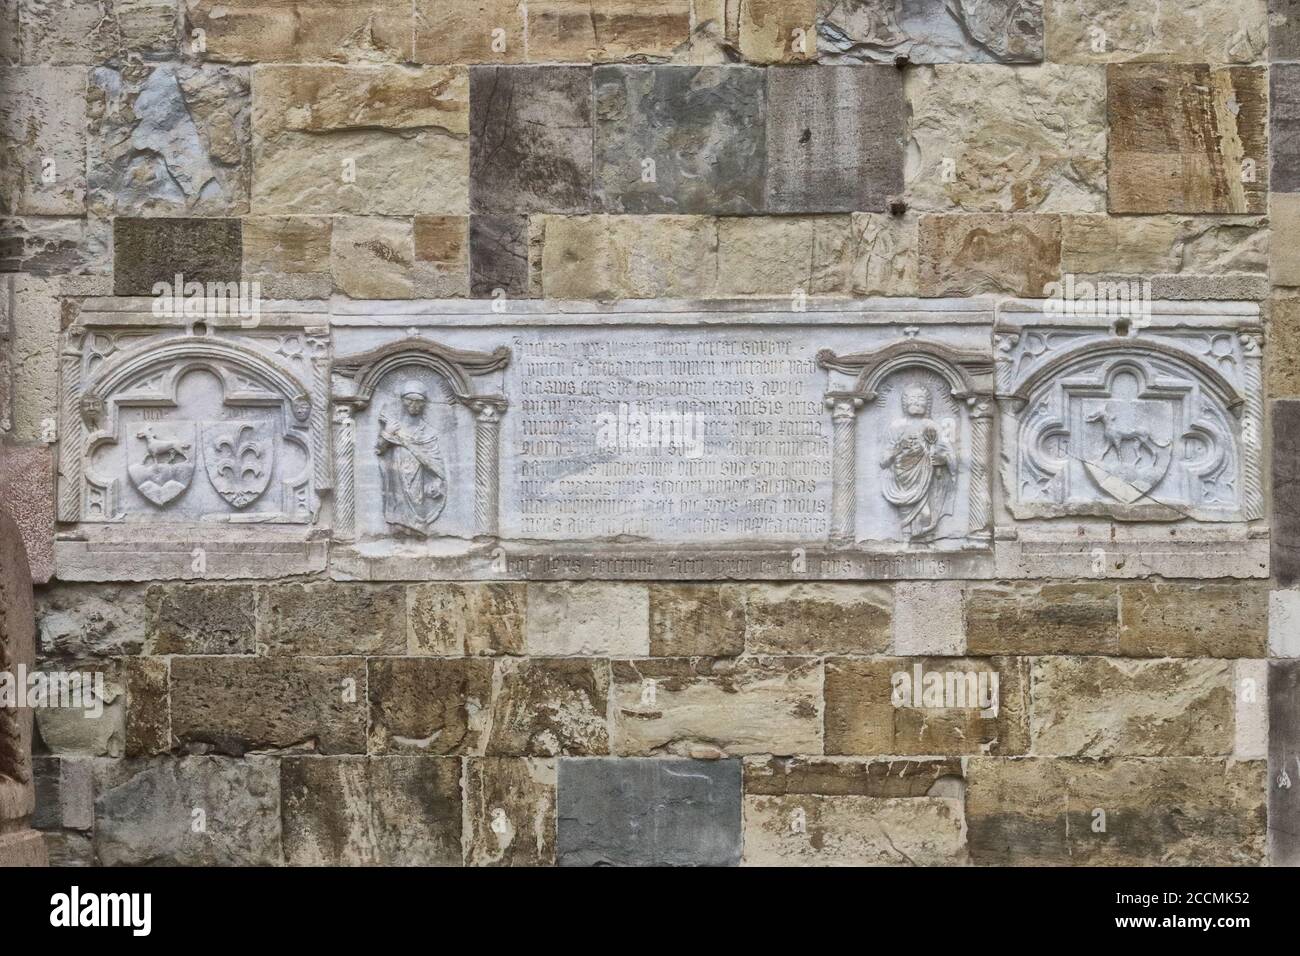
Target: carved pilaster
x,y
345,494
318,347
981,426
844,416
72,435
1252,430
487,442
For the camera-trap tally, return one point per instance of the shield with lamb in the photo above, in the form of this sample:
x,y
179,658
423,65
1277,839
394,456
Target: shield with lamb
x,y
238,458
161,461
1128,445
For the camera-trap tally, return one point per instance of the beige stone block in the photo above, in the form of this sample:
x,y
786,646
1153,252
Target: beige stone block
x,y
778,31
1284,256
588,619
1162,619
699,707
884,255
994,138
1282,354
448,619
265,31
602,31
928,619
697,620
509,811
780,255
34,355
441,266
42,141
1251,716
628,257
818,618
1190,31
470,31
1104,706
372,258
1284,623
287,244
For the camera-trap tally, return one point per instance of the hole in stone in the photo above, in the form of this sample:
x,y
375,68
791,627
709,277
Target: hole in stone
x,y
1121,326
200,328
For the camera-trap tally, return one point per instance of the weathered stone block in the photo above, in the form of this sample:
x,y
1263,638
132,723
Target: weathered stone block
x,y
699,706
1103,707
697,620
1285,537
201,619
92,31
43,129
1211,31
77,621
262,31
168,139
1283,112
498,256
1284,257
928,619
85,711
509,811
371,811
287,245
9,13
840,776
482,31
819,830
1159,619
1284,29
834,138
1173,812
781,255
985,138
930,31
1163,244
1074,618
884,255
530,139
440,269
588,619
27,490
148,713
1284,623
42,246
649,812
973,254
603,30
65,793
361,140
700,129
628,257
777,31
1250,719
548,707
149,251
428,705
818,618
373,258
943,705
232,705
334,618
33,350
447,619
1187,138
145,812
1283,754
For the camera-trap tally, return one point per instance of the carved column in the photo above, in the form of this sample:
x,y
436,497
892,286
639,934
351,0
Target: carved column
x,y
981,426
487,443
317,340
1252,429
844,454
345,495
71,435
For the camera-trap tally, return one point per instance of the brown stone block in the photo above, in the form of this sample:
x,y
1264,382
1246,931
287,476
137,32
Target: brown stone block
x,y
778,31
844,776
201,619
1187,138
333,618
974,254
818,618
27,491
862,717
509,811
547,707
697,620
1075,618
428,705
148,715
601,31
449,619
1161,619
264,31
470,31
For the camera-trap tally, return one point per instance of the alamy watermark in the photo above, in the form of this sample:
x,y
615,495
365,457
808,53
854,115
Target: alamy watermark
x,y
73,690
207,300
946,689
630,428
1110,298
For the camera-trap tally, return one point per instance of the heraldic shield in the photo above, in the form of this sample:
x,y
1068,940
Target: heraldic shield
x,y
238,457
162,460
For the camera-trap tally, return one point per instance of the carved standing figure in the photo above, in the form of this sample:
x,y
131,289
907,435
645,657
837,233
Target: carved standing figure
x,y
410,463
921,467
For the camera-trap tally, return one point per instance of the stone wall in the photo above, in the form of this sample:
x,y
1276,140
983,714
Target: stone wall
x,y
464,194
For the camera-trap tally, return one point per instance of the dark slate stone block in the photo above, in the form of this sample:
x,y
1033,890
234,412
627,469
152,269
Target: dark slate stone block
x,y
930,31
702,128
834,138
530,139
498,256
1284,762
1284,126
648,812
1286,491
1284,30
146,251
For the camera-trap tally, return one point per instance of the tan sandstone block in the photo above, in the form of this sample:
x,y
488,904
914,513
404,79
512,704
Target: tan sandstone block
x,y
1074,618
697,620
602,31
1282,356
1284,257
586,619
778,255
550,707
448,619
441,266
263,31
1160,619
466,31
287,244
1189,31
993,138
1169,812
1104,706
1163,244
884,255
973,254
361,139
509,811
818,618
862,718
702,707
817,830
42,141
372,258
778,31
628,257
850,776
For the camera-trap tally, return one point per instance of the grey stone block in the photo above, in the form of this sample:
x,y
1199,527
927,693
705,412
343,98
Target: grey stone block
x,y
498,256
680,139
1284,126
530,139
649,812
1284,30
1284,762
930,31
147,251
1286,491
834,138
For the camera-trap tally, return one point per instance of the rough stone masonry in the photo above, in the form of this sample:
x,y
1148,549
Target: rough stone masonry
x,y
574,432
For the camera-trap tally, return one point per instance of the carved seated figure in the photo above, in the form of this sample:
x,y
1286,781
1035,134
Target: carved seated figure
x,y
414,478
920,467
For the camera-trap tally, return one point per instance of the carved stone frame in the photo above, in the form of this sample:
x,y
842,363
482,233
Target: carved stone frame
x,y
969,375
457,368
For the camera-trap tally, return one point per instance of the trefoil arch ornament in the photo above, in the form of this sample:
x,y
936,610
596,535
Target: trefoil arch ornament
x,y
922,462
412,456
